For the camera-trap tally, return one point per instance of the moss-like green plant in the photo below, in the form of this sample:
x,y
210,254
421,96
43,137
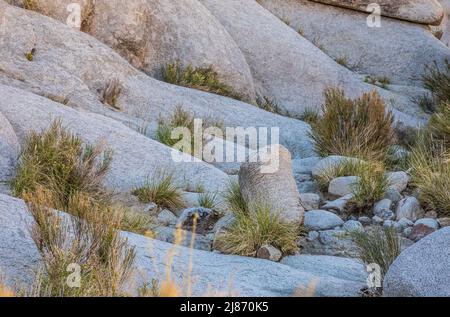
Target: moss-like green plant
x,y
357,128
201,78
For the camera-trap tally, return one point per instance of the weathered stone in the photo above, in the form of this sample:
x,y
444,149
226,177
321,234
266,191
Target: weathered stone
x,y
422,269
365,221
429,222
393,195
398,180
19,259
321,220
168,234
377,220
202,219
381,207
409,208
418,11
404,223
420,231
330,242
9,149
338,205
167,218
310,201
304,166
270,182
342,186
270,253
352,225
444,222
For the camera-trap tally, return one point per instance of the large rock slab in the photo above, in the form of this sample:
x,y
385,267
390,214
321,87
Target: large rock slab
x,y
220,274
270,182
57,73
136,157
289,68
344,35
422,269
9,149
418,11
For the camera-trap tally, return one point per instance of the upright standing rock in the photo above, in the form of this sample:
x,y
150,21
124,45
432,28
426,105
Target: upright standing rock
x,y
276,188
9,149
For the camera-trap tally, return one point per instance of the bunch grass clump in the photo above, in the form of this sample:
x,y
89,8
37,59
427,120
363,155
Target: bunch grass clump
x,y
437,81
201,78
255,227
357,128
380,246
56,160
430,172
208,200
87,243
162,191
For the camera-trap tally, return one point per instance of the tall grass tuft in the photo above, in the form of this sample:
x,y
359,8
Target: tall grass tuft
x,y
57,160
437,81
381,246
88,240
201,78
358,128
162,191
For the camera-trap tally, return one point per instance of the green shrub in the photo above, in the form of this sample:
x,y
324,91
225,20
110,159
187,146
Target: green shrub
x,y
439,124
57,160
430,173
380,246
208,200
234,199
162,191
201,78
357,128
258,227
348,167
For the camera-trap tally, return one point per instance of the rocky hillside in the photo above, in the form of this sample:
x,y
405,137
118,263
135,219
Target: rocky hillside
x,y
321,168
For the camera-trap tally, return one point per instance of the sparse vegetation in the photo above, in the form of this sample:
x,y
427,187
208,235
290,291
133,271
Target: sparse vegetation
x,y
380,246
370,188
383,82
270,105
208,200
343,60
30,55
255,227
356,128
89,239
438,82
29,4
310,116
162,191
430,173
57,160
201,78
111,92
348,167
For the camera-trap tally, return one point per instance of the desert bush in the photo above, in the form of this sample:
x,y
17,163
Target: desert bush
x,y
208,200
201,78
437,81
430,172
89,239
380,246
439,125
269,104
162,191
111,93
258,227
310,116
234,199
369,189
358,128
57,160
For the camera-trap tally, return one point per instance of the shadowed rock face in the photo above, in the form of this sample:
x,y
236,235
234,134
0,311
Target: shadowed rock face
x,y
419,11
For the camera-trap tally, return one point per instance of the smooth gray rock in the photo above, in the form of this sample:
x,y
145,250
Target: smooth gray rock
x,y
167,218
153,33
270,182
247,276
422,269
342,268
405,223
308,187
9,149
342,186
136,158
56,74
393,195
288,68
377,220
365,221
224,223
398,180
310,201
418,11
330,242
428,222
269,252
352,225
304,166
409,208
338,205
321,220
381,207
168,234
